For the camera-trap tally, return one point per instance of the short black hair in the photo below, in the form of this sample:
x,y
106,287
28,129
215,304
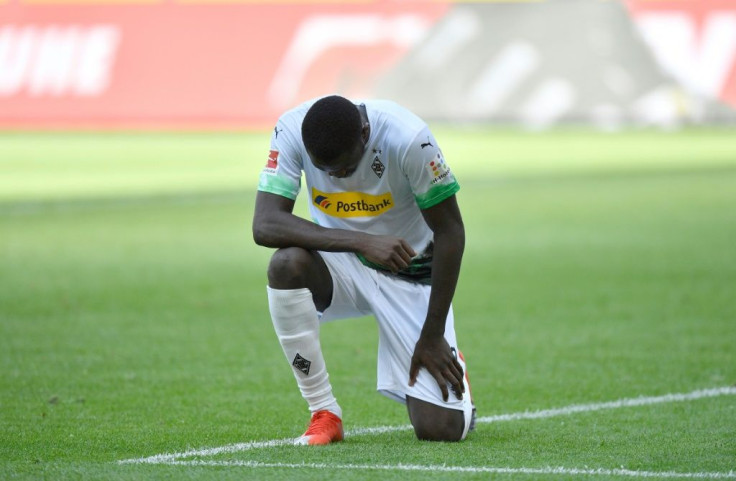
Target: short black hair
x,y
331,127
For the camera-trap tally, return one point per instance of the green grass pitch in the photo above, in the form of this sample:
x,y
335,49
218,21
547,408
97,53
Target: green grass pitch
x,y
133,316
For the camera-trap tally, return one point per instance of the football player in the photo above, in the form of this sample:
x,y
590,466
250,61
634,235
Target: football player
x,y
386,239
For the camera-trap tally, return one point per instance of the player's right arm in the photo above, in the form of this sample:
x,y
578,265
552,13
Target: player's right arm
x,y
274,225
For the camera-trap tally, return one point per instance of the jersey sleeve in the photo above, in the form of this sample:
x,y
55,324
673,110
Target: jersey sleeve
x,y
430,177
283,171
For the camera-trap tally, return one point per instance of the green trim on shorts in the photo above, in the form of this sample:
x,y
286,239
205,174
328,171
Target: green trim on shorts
x,y
420,269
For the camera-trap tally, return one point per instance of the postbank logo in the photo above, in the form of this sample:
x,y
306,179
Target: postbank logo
x,y
352,204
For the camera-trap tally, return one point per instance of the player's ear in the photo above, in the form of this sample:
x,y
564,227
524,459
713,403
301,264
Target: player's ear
x,y
365,132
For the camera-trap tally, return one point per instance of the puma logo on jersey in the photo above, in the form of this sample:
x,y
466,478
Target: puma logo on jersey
x,y
427,144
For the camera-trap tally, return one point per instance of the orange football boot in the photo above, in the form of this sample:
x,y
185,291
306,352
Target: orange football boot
x,y
324,428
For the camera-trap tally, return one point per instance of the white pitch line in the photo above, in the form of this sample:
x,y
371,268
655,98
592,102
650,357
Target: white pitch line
x,y
229,449
465,469
172,458
621,403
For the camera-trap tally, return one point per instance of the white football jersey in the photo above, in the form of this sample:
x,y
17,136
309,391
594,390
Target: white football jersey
x,y
402,171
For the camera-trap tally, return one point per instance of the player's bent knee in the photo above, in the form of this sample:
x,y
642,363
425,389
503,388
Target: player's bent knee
x,y
434,423
434,431
288,268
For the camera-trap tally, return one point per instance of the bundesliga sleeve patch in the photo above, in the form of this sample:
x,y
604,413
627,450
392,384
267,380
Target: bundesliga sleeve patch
x,y
273,160
271,181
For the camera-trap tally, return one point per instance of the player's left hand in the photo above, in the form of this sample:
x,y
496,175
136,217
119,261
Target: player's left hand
x,y
435,355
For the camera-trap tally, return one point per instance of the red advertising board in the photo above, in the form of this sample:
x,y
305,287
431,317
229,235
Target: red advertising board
x,y
192,65
694,41
188,64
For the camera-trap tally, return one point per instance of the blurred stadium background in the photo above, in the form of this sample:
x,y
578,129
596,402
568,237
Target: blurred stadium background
x,y
236,64
594,140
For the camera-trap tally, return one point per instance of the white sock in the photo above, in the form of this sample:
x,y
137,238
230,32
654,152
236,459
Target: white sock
x,y
296,323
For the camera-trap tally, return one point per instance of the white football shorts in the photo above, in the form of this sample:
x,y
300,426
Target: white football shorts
x,y
400,308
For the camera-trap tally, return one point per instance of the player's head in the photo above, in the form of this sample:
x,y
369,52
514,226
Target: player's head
x,y
334,135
